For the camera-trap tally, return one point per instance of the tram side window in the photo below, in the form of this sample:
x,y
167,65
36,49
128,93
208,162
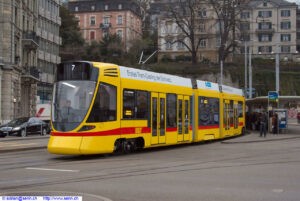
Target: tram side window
x,y
240,109
171,111
105,104
129,104
135,104
141,100
208,112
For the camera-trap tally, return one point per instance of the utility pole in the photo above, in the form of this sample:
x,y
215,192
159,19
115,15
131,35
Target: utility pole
x,y
250,73
277,65
221,66
246,52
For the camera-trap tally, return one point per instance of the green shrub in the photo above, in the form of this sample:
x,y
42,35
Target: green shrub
x,y
166,58
183,58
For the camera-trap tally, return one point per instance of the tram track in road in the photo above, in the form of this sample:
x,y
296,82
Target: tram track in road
x,y
144,169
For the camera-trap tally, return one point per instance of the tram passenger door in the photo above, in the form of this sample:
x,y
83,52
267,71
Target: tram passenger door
x,y
154,119
235,115
162,119
226,119
158,118
180,118
186,115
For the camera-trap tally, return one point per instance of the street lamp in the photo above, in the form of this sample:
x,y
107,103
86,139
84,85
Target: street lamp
x,y
246,52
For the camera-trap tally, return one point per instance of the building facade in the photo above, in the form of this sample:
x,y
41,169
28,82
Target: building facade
x,y
259,22
27,53
18,58
170,36
267,23
49,22
97,19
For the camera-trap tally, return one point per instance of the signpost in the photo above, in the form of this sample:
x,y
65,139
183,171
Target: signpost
x,y
273,101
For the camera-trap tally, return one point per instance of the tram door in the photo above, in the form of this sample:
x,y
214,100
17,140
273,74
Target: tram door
x,y
186,118
180,118
235,115
226,118
158,116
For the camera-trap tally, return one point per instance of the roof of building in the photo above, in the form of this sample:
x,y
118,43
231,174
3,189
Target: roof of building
x,y
86,6
279,3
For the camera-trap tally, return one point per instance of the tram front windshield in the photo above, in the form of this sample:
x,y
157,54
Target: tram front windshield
x,y
71,99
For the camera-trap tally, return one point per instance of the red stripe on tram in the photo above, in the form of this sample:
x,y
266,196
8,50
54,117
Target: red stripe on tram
x,y
241,123
171,129
208,127
118,131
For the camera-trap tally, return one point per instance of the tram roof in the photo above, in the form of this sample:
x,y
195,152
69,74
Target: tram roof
x,y
143,75
232,90
207,85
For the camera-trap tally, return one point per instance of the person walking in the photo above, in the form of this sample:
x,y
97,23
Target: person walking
x,y
275,123
263,124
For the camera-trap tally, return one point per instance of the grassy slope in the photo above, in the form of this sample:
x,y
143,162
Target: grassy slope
x,y
263,74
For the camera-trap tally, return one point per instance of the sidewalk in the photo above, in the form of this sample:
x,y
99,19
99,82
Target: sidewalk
x,y
11,144
253,136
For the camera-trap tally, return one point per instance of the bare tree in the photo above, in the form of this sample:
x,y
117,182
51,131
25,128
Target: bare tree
x,y
228,24
185,14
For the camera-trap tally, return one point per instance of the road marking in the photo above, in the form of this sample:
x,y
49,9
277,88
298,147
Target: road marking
x,y
277,190
46,169
11,144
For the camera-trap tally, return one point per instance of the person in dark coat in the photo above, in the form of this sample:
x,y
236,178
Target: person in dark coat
x,y
275,124
263,124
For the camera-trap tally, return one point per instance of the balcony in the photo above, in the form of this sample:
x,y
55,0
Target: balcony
x,y
58,20
30,40
34,72
261,31
31,75
105,26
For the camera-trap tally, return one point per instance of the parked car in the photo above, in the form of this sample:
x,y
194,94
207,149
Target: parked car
x,y
24,126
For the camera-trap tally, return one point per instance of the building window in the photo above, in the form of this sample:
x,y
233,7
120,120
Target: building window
x,y
285,37
285,25
265,25
120,6
106,20
285,49
202,27
180,44
120,19
285,13
106,7
93,20
203,43
120,34
245,26
264,49
202,12
264,14
245,15
76,8
92,8
265,38
169,45
265,4
105,34
78,20
92,35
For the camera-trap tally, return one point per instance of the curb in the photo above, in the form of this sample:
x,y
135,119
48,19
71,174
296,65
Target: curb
x,y
254,141
22,149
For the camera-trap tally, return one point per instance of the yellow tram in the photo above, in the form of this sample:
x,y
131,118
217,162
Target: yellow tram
x,y
102,108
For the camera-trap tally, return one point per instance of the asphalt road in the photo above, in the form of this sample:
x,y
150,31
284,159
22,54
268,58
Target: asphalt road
x,y
267,171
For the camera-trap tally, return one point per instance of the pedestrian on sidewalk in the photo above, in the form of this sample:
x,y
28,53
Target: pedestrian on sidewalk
x,y
263,124
275,123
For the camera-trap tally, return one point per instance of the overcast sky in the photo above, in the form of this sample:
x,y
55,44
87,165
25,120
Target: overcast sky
x,y
297,1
